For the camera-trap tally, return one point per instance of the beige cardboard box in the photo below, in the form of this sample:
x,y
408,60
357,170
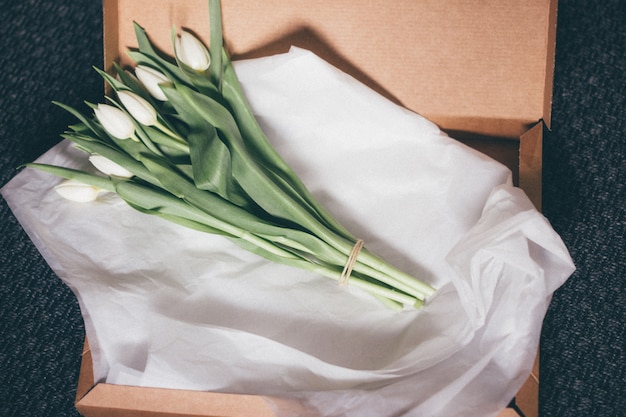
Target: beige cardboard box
x,y
482,70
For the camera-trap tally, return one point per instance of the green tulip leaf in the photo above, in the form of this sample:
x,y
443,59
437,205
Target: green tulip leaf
x,y
73,174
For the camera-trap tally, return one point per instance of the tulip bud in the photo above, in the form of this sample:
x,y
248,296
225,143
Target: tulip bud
x,y
151,79
191,52
138,107
108,167
115,121
77,191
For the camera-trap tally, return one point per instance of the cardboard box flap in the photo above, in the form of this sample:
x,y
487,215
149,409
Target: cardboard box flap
x,y
117,400
460,62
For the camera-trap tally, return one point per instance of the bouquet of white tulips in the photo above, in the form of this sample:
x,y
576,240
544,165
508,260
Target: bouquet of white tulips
x,y
179,141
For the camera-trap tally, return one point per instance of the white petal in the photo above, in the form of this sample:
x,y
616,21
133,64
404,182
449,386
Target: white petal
x,y
192,52
138,107
108,167
151,79
115,121
77,191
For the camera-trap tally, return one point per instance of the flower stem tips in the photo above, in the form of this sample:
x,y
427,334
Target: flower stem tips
x,y
198,158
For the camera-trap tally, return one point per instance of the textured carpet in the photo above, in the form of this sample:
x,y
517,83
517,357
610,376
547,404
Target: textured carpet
x,y
583,350
48,48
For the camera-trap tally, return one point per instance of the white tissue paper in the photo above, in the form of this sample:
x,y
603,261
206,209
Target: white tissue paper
x,y
165,306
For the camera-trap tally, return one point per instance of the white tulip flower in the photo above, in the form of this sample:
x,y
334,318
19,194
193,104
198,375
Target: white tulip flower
x,y
115,121
138,107
151,78
192,52
108,167
77,191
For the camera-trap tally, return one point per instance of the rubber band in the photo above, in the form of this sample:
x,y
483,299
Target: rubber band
x,y
347,269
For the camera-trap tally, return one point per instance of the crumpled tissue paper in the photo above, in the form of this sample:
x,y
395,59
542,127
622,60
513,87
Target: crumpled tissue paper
x,y
165,306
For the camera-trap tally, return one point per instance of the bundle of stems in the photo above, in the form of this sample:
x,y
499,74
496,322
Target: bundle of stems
x,y
182,143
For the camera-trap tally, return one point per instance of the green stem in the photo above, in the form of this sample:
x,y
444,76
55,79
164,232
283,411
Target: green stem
x,y
170,133
216,41
380,269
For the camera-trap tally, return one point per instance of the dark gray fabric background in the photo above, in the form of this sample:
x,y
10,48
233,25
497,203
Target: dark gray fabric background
x,y
48,48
